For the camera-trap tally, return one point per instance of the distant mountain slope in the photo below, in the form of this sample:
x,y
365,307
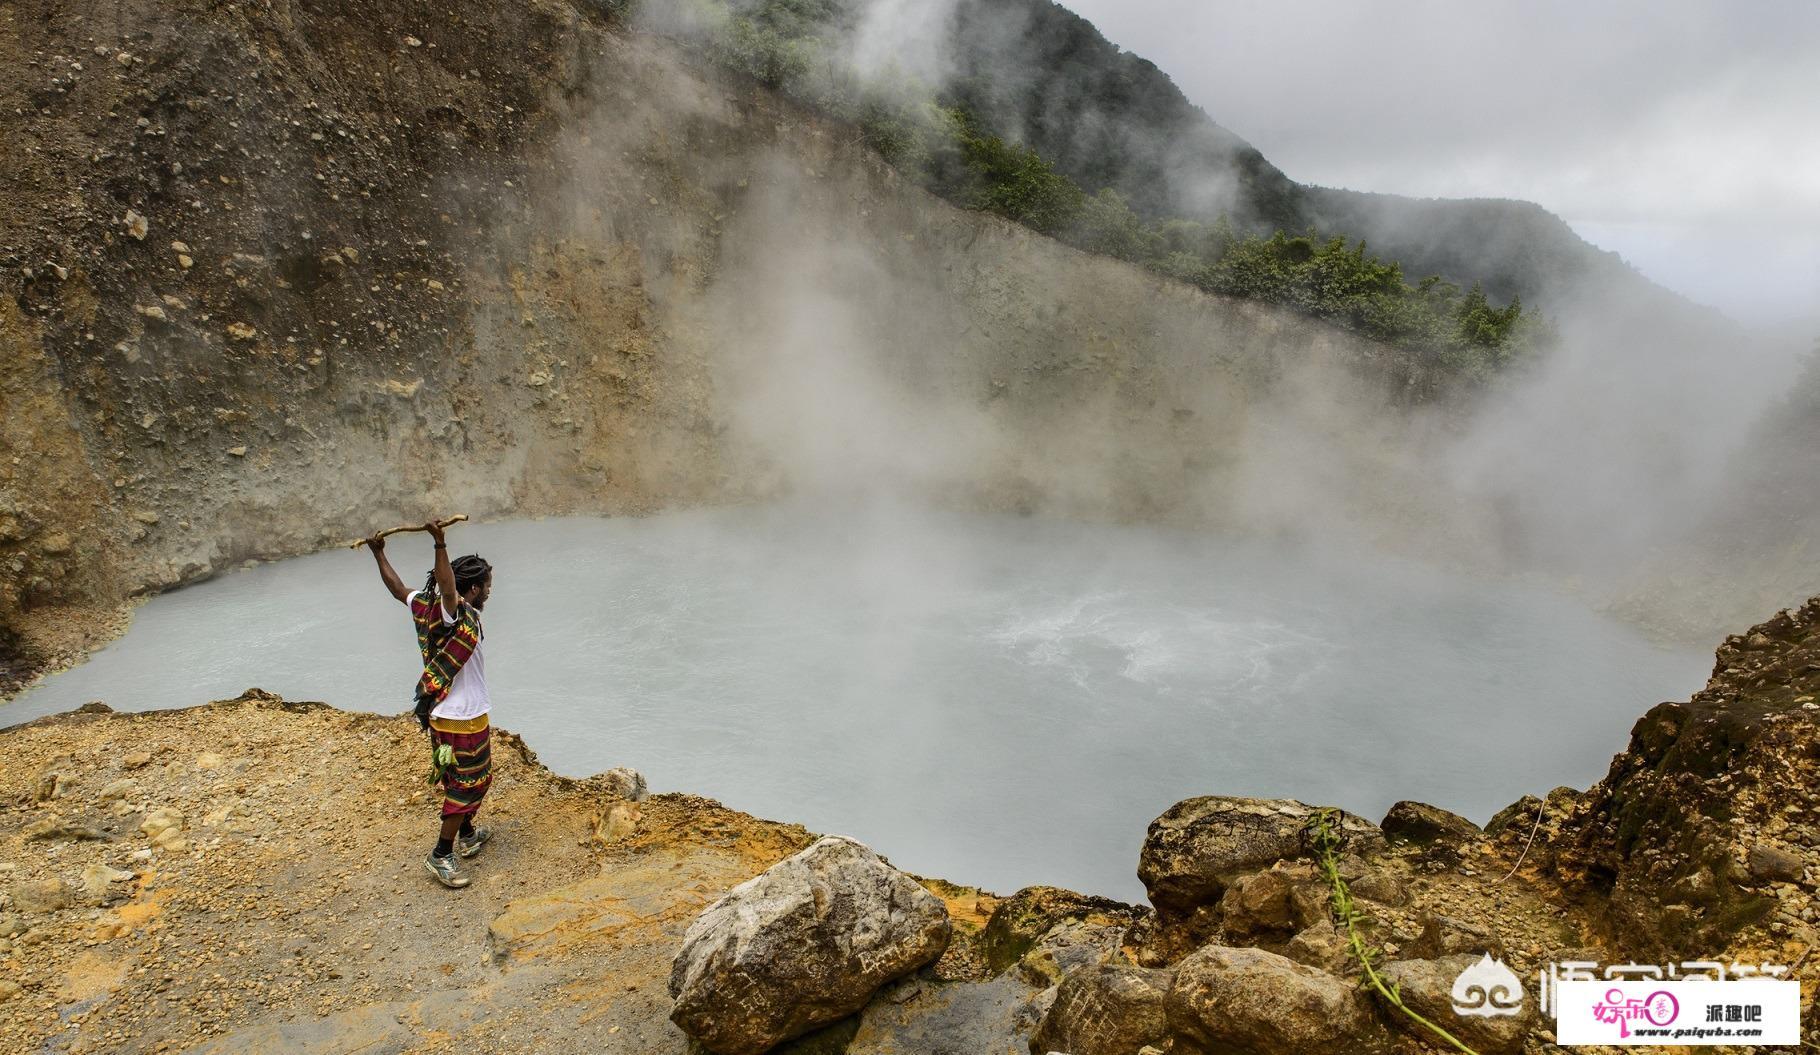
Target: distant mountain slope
x,y
1036,73
1039,74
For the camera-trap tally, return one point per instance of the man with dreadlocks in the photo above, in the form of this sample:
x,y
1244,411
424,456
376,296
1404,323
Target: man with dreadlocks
x,y
451,701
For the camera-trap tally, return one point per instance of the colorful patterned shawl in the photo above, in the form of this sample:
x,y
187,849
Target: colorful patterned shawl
x,y
445,647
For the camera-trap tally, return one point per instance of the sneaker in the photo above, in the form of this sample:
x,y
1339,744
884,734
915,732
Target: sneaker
x,y
447,870
469,845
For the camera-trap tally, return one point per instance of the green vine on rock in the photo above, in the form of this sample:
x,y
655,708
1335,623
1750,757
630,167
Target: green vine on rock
x,y
1325,840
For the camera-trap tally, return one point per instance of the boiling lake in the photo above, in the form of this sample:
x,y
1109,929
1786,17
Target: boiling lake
x,y
998,701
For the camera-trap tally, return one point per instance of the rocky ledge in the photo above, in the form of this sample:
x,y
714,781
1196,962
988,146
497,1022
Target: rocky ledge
x,y
244,877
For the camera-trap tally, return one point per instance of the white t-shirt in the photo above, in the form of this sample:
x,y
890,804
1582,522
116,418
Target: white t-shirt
x,y
467,696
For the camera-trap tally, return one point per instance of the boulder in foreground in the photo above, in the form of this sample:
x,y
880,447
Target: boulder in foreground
x,y
802,944
1428,987
1227,1001
1199,845
1105,1009
1422,824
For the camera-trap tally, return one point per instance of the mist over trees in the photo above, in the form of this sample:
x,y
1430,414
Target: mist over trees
x,y
1329,278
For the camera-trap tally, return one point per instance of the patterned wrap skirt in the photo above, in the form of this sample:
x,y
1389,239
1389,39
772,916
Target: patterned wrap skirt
x,y
465,782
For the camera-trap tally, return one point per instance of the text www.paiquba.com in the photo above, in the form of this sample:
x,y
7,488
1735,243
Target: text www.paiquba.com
x,y
1697,1032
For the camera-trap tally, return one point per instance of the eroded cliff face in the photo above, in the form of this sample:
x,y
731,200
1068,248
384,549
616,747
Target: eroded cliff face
x,y
264,287
280,275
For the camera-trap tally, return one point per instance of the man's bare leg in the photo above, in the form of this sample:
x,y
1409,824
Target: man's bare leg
x,y
451,826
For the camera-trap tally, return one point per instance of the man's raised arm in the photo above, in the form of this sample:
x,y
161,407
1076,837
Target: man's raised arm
x,y
445,575
386,574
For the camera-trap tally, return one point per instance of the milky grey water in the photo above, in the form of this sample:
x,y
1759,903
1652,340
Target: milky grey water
x,y
994,700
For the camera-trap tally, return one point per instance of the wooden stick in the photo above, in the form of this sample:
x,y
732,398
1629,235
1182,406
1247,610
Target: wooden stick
x,y
359,542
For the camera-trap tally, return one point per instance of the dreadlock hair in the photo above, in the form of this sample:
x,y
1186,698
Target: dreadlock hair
x,y
469,571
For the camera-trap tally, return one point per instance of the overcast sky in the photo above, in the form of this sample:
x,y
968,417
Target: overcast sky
x,y
1685,135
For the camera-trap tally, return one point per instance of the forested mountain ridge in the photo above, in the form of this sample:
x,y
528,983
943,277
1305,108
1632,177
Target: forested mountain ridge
x,y
1040,77
1108,118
